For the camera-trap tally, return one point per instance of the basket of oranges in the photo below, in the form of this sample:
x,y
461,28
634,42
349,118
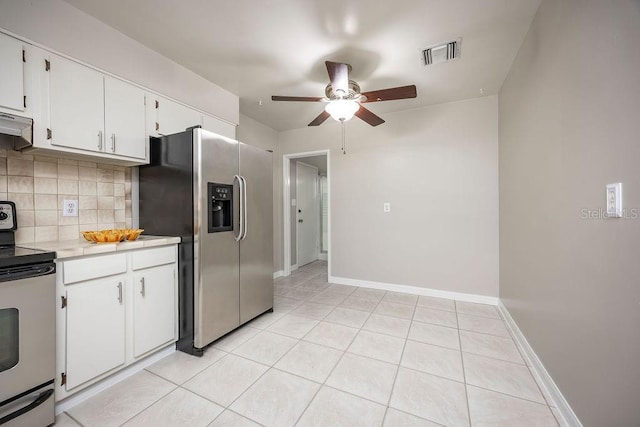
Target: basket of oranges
x,y
112,235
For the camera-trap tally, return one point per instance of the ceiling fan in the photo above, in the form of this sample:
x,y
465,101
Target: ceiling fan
x,y
344,97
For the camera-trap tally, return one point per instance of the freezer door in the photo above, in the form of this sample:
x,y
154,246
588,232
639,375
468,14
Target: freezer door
x,y
256,248
216,255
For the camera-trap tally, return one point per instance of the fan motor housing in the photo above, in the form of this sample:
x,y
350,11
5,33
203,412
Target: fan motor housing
x,y
354,92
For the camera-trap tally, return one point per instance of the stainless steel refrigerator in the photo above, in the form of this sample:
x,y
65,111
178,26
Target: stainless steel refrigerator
x,y
217,195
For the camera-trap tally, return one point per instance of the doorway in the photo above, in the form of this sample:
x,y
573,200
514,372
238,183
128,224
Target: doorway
x,y
306,209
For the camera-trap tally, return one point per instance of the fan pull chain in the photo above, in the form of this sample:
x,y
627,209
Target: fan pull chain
x,y
344,142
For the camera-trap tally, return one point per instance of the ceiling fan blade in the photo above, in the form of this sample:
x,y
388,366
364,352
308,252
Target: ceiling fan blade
x,y
369,117
339,75
403,92
320,119
298,98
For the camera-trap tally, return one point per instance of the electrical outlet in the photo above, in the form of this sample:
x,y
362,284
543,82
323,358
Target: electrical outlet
x,y
70,208
386,207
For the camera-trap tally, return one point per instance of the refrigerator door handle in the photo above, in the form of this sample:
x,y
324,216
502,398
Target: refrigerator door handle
x,y
241,188
245,210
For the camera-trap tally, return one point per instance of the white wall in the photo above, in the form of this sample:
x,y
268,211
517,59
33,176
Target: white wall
x,y
438,167
569,125
59,26
259,135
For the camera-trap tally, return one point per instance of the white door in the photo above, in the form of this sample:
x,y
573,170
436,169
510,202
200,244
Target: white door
x,y
308,209
76,105
95,329
124,113
153,308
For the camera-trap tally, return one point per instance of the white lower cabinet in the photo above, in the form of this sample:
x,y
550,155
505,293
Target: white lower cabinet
x,y
114,309
154,319
95,329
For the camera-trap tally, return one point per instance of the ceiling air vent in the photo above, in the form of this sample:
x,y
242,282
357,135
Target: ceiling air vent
x,y
442,52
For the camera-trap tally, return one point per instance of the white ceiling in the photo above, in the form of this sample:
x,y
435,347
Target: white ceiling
x,y
258,48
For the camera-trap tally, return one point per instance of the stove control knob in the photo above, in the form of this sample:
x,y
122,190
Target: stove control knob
x,y
3,216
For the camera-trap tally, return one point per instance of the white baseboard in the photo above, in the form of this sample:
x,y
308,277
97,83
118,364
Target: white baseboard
x,y
294,267
538,369
481,299
323,256
278,273
91,391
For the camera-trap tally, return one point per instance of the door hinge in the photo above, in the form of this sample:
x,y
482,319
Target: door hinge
x,y
64,302
48,133
157,104
25,101
47,65
24,56
157,126
63,378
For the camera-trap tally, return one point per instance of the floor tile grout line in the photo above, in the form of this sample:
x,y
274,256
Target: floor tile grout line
x,y
73,418
395,378
410,369
324,383
542,392
509,395
416,416
464,374
153,403
234,412
494,358
226,353
326,378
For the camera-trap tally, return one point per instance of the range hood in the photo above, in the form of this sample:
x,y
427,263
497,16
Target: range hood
x,y
15,132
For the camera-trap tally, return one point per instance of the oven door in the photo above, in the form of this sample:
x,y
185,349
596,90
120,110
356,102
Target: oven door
x,y
27,334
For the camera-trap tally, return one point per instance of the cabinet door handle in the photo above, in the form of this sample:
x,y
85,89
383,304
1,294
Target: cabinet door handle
x,y
142,289
100,140
120,292
113,142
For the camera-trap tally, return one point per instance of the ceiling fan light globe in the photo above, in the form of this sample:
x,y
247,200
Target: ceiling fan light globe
x,y
342,109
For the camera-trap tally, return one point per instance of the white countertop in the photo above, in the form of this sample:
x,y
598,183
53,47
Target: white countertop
x,y
80,247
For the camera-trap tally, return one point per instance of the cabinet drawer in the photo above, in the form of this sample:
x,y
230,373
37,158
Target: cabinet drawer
x,y
152,257
93,268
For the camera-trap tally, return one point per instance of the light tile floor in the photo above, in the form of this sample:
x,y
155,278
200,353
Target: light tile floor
x,y
334,355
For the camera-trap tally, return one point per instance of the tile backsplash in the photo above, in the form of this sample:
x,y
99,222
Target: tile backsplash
x,y
39,185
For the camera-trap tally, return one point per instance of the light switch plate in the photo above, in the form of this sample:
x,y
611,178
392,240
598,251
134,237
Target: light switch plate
x,y
386,207
614,200
70,208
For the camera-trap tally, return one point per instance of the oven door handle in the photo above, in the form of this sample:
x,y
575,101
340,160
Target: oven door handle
x,y
17,273
42,397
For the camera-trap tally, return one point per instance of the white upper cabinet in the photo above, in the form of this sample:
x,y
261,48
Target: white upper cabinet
x,y
169,117
11,73
94,112
172,117
124,119
216,125
76,105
